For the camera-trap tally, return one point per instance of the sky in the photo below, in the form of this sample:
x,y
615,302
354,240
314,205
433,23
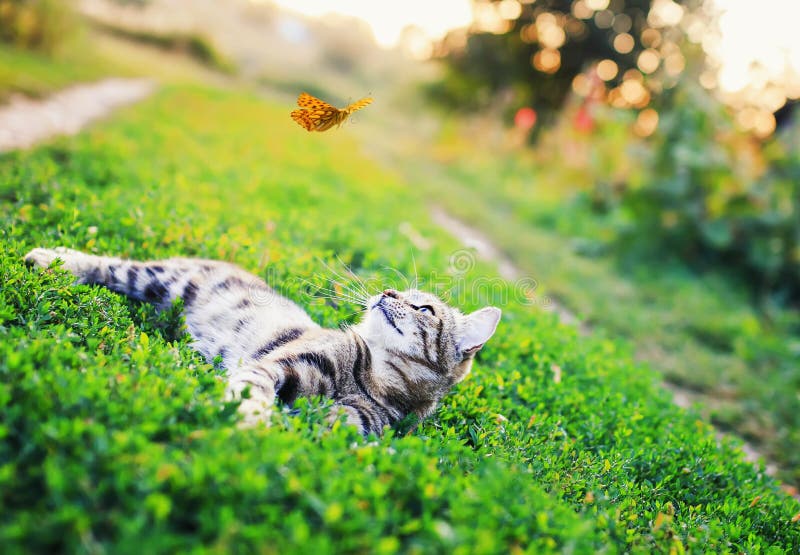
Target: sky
x,y
388,19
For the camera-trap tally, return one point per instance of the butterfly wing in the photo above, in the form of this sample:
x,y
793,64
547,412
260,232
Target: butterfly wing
x,y
358,104
305,100
302,119
318,109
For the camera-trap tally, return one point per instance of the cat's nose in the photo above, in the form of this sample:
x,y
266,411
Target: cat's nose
x,y
391,293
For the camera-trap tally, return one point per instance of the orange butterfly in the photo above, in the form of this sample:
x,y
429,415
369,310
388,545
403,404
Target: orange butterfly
x,y
318,115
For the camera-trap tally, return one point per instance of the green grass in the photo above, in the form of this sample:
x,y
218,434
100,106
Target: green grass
x,y
700,329
114,436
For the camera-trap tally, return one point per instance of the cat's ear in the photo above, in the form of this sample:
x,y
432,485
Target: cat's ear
x,y
478,328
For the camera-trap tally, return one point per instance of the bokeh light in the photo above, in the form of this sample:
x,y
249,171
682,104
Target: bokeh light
x,y
651,38
509,9
547,60
487,18
581,85
674,64
607,70
646,122
753,58
596,5
550,33
764,125
634,74
634,93
577,29
623,43
648,61
604,19
622,23
581,10
528,33
664,13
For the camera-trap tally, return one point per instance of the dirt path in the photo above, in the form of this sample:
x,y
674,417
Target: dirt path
x,y
486,250
474,239
25,122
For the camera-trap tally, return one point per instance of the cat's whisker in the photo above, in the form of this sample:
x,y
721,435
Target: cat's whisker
x,y
361,282
340,276
416,274
349,292
347,300
345,287
339,297
343,297
333,294
330,293
351,314
403,278
358,281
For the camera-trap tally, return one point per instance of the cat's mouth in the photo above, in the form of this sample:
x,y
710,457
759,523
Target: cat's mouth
x,y
380,306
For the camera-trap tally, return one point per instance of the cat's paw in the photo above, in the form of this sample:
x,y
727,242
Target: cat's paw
x,y
43,258
254,411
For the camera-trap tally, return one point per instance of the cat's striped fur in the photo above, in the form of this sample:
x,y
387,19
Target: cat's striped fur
x,y
408,350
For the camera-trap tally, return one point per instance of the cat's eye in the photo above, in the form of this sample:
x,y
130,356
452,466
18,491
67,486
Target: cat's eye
x,y
426,309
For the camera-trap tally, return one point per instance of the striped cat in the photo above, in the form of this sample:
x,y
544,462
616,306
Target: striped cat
x,y
408,350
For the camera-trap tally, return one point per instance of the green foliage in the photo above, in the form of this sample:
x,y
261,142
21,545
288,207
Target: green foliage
x,y
114,435
697,204
36,24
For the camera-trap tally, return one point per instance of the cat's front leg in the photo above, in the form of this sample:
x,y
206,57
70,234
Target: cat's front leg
x,y
80,264
157,282
363,414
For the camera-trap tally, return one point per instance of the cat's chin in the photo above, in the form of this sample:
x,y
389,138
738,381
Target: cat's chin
x,y
377,333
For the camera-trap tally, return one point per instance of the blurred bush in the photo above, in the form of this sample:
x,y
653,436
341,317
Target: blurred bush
x,y
195,45
36,24
532,52
699,202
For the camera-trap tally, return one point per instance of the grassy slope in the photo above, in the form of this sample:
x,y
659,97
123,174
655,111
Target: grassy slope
x,y
113,434
89,57
700,330
36,74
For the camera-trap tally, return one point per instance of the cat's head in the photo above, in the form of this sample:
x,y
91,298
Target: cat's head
x,y
420,330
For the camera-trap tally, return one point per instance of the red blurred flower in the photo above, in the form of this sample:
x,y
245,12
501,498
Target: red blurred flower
x,y
525,118
584,121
